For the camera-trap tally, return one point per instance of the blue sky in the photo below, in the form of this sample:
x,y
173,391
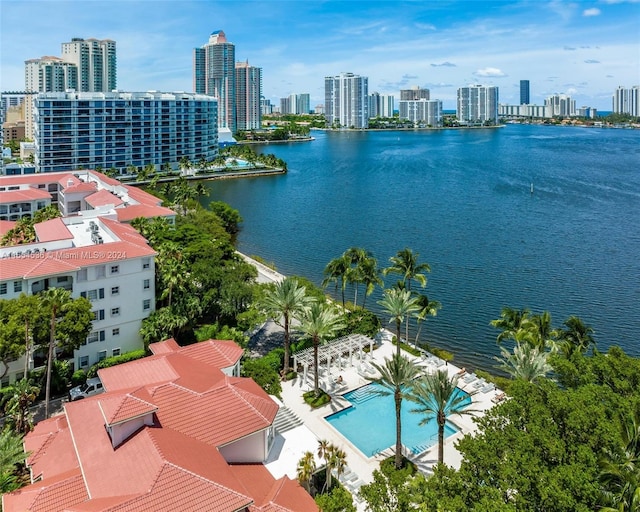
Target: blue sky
x,y
583,48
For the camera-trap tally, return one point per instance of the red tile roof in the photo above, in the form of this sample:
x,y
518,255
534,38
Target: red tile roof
x,y
163,347
23,195
222,354
36,179
169,465
143,210
6,225
102,198
51,230
79,186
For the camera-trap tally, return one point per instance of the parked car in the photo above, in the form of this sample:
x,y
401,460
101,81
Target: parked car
x,y
89,388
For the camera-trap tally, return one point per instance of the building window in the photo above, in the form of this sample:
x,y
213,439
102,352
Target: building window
x,y
84,361
115,290
101,271
146,263
115,331
115,269
146,284
3,288
146,304
93,337
115,311
102,354
98,314
82,274
101,335
17,286
116,352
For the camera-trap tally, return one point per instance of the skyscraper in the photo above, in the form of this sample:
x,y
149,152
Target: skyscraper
x,y
381,105
524,92
248,93
415,93
50,74
214,74
347,100
561,105
478,104
627,101
96,62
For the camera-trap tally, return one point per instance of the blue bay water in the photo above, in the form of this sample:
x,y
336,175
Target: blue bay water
x,y
462,200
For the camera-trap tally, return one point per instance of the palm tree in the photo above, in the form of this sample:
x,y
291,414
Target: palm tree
x,y
320,322
11,454
620,472
512,321
305,470
396,376
398,304
334,458
282,303
336,272
171,269
437,395
369,276
355,256
56,301
17,406
527,362
405,263
577,337
427,308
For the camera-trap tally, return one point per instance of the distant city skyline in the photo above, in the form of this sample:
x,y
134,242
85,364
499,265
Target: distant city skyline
x,y
585,49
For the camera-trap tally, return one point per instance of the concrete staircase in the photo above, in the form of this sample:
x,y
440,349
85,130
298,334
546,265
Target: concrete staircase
x,y
286,420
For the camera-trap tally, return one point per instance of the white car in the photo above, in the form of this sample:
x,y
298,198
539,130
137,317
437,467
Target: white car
x,y
89,388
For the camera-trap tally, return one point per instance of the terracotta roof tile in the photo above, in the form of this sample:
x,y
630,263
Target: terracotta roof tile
x,y
119,408
143,210
79,186
216,352
35,179
164,347
49,495
53,229
25,194
6,225
148,371
102,198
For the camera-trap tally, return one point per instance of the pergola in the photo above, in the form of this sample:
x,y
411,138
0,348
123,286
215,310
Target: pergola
x,y
337,350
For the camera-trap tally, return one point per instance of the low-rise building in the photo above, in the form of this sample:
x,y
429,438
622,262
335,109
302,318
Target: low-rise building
x,y
173,431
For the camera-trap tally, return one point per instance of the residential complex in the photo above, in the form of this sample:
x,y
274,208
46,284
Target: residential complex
x,y
91,251
477,104
422,112
561,105
414,93
381,105
295,104
347,100
96,62
525,97
178,430
214,74
248,94
627,101
115,130
86,65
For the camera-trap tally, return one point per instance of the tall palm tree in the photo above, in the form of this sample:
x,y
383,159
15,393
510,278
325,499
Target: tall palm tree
x,y
527,362
336,272
620,471
370,276
56,300
283,303
437,395
398,304
334,458
576,337
396,376
305,470
171,269
16,409
512,321
320,322
427,308
405,263
356,256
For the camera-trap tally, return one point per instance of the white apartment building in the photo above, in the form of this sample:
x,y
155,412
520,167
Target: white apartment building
x,y
627,101
75,130
91,251
541,111
477,104
50,74
422,112
414,93
381,105
347,100
248,93
561,105
95,61
295,104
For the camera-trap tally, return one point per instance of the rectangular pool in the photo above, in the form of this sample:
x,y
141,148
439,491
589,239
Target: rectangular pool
x,y
370,423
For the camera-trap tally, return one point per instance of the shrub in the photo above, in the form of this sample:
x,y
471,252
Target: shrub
x,y
337,500
316,401
361,321
262,371
79,377
112,361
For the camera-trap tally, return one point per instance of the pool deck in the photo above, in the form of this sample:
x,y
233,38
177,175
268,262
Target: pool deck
x,y
360,465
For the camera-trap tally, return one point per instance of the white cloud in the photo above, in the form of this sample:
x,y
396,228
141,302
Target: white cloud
x,y
489,72
594,11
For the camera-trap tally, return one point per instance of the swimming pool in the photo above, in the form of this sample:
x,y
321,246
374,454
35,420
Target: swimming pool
x,y
370,423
